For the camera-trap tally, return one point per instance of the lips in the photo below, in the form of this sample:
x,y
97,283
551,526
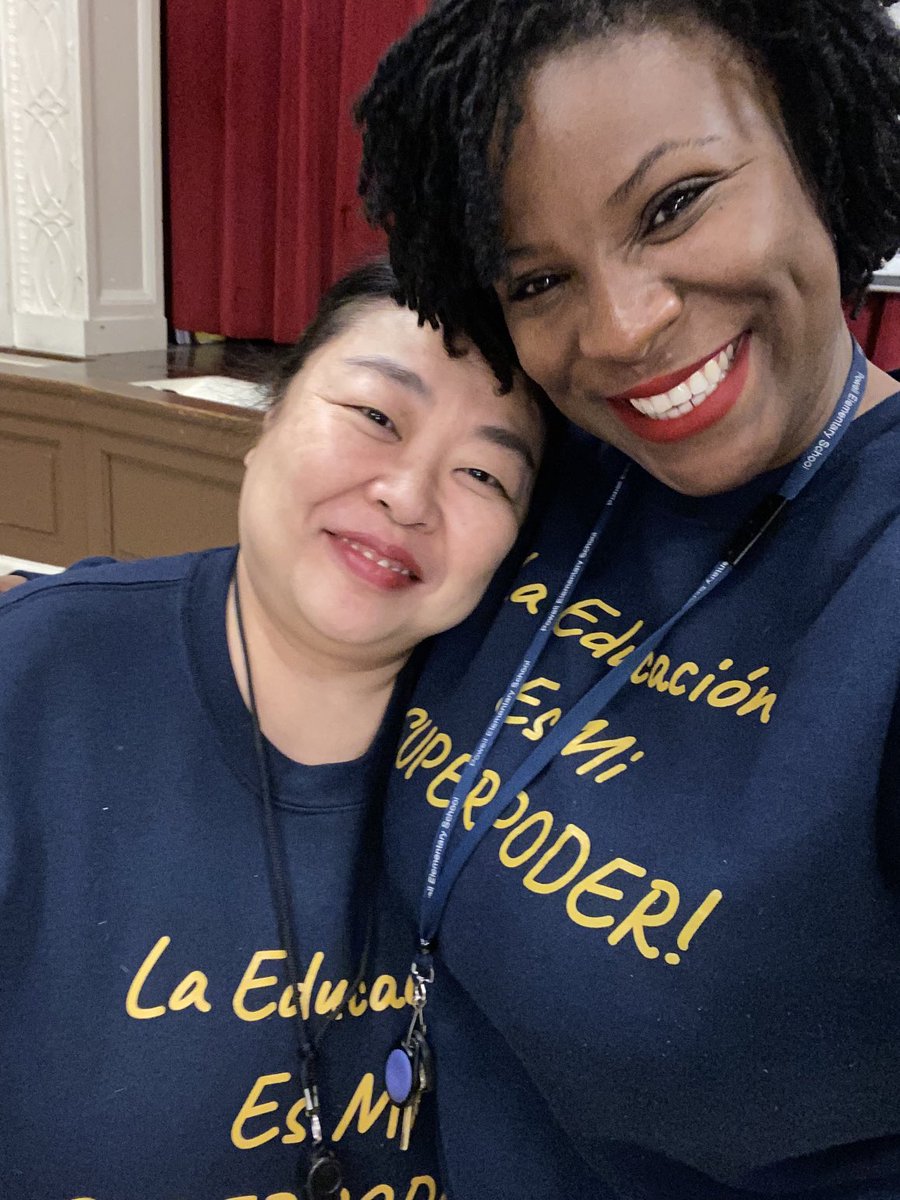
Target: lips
x,y
382,564
664,418
664,383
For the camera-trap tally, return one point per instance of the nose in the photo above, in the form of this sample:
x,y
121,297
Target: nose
x,y
408,491
626,310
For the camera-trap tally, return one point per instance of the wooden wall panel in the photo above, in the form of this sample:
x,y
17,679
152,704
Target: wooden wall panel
x,y
145,499
90,471
41,489
28,471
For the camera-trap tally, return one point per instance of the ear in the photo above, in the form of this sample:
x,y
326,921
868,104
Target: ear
x,y
270,416
248,457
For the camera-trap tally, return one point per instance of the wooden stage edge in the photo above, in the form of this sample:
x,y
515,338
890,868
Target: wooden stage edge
x,y
91,463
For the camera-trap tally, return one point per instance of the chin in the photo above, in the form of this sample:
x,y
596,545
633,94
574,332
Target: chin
x,y
354,636
367,639
705,472
709,484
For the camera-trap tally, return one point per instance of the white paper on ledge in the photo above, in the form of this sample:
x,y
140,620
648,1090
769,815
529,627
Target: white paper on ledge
x,y
10,564
222,388
888,278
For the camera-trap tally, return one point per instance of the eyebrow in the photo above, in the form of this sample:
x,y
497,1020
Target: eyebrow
x,y
510,441
390,369
651,158
634,179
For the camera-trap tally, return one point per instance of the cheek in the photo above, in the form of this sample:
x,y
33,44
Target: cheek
x,y
478,550
308,472
783,248
759,263
542,347
279,488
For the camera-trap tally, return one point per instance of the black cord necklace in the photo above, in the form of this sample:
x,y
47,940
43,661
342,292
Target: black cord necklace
x,y
324,1175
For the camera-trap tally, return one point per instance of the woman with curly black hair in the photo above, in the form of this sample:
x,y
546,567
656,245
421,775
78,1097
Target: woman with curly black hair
x,y
647,806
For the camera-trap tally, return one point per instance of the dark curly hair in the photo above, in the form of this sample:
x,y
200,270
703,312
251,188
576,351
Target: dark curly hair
x,y
445,100
368,284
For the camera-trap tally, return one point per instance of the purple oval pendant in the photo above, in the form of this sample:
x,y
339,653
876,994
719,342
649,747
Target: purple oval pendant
x,y
398,1075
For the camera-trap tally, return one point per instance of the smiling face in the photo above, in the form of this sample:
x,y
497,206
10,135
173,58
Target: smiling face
x,y
386,488
670,283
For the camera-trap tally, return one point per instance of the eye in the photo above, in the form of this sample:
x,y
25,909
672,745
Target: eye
x,y
677,201
532,287
487,479
376,416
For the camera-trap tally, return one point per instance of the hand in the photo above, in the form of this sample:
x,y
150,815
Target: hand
x,y
10,581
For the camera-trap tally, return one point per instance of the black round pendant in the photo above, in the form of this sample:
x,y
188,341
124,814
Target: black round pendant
x,y
325,1177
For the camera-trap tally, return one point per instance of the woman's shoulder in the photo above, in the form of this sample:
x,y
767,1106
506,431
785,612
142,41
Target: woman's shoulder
x,y
89,580
867,478
96,608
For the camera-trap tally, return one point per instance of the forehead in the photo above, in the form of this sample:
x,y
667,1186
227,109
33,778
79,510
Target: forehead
x,y
383,327
385,332
603,104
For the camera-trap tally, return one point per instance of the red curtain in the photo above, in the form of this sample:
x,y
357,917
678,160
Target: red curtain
x,y
262,155
877,329
262,158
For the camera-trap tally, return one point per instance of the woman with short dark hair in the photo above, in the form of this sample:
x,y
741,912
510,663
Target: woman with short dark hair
x,y
202,976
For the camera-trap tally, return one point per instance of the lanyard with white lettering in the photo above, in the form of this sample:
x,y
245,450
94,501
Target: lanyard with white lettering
x,y
443,872
409,1069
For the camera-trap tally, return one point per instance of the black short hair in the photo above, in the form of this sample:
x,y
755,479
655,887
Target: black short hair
x,y
441,96
370,283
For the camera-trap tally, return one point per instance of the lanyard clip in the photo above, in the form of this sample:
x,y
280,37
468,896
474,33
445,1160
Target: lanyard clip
x,y
422,974
311,1097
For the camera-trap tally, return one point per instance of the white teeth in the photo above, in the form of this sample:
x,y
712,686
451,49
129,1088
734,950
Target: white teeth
x,y
712,371
682,393
386,563
679,401
698,383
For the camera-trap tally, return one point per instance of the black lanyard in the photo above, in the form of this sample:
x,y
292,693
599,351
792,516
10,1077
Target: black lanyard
x,y
322,1177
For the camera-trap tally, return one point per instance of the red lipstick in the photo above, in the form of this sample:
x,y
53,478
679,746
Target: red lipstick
x,y
713,408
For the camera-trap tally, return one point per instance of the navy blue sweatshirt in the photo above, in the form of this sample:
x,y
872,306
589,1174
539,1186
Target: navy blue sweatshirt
x,y
146,1048
671,970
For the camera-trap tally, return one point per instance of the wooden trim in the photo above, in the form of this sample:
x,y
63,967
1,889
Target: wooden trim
x,y
117,470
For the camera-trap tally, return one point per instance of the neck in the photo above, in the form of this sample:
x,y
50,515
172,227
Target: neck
x,y
316,704
879,386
